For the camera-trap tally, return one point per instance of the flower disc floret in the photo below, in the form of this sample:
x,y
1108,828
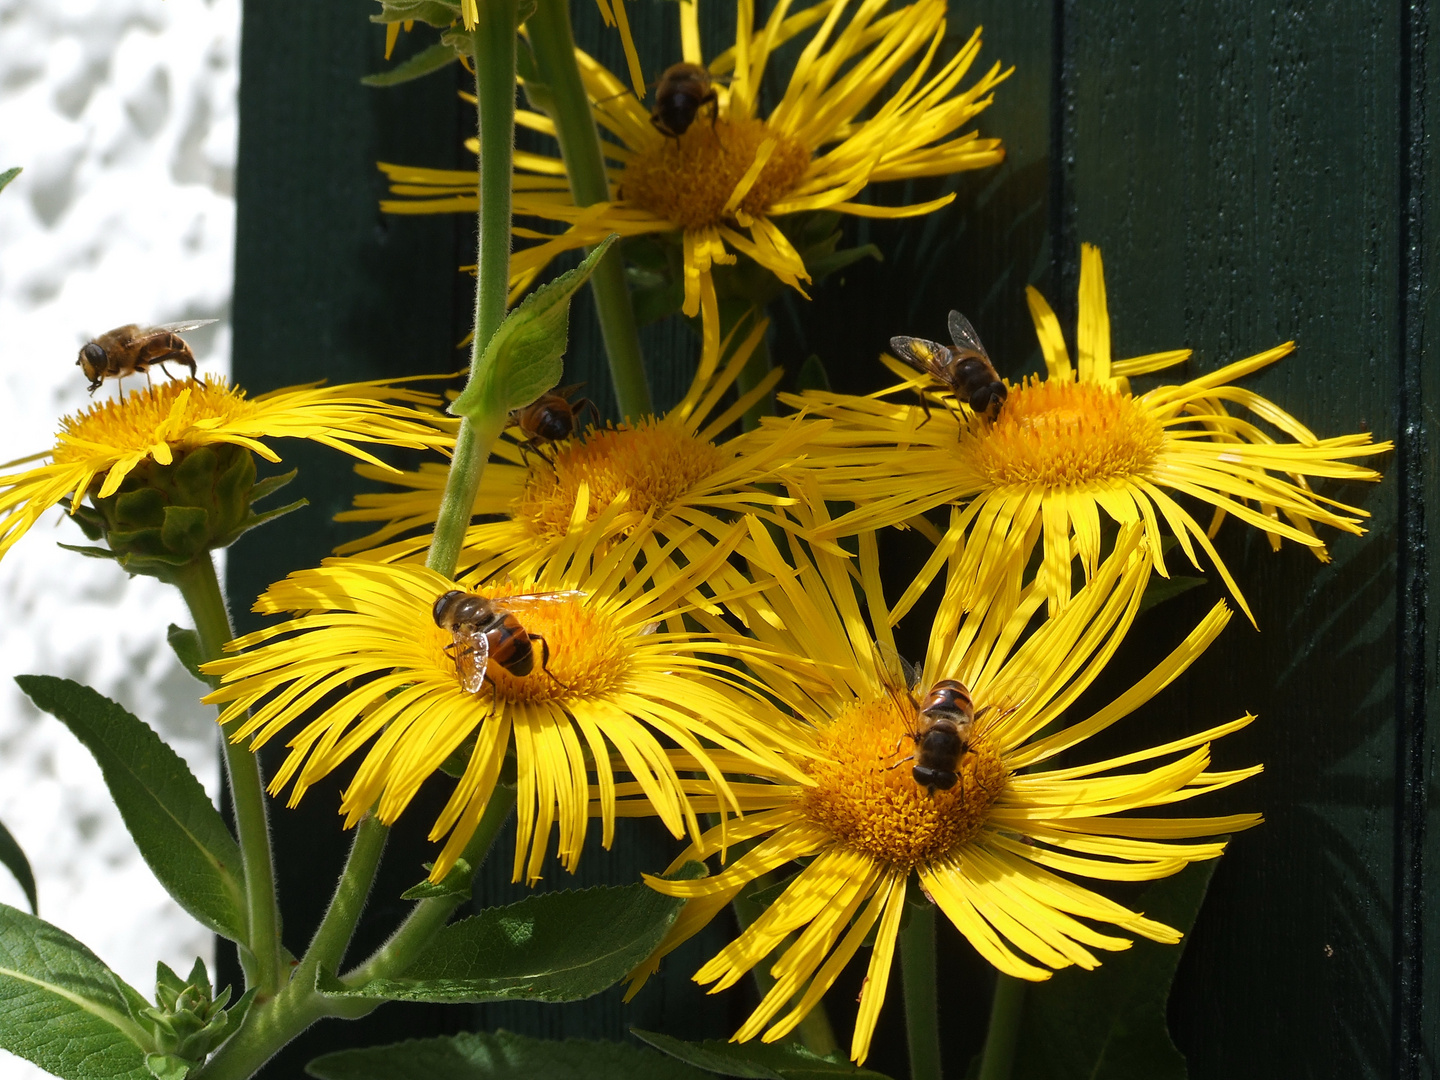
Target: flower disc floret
x,y
691,180
866,797
1057,433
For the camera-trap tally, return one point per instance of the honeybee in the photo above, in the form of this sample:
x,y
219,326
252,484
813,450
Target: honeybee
x,y
128,349
549,418
683,91
964,369
484,629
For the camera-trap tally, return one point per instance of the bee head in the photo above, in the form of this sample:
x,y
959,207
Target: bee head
x,y
443,602
92,362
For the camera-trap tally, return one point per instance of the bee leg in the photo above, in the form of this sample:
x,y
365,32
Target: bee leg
x,y
924,405
545,659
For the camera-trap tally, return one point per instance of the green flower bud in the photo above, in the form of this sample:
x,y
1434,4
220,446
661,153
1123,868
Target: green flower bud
x,y
187,1020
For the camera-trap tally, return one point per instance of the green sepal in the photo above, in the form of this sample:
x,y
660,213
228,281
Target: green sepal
x,y
167,1066
62,1008
1109,1024
499,1055
456,883
522,359
271,484
757,1060
186,646
180,834
437,56
812,375
559,946
13,859
431,12
8,175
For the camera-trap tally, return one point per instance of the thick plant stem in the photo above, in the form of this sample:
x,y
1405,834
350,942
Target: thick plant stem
x,y
1000,1038
261,953
430,915
568,105
917,973
327,947
494,50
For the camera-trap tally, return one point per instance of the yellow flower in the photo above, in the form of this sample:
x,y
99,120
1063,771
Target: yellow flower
x,y
817,149
1063,449
615,672
97,448
667,476
999,850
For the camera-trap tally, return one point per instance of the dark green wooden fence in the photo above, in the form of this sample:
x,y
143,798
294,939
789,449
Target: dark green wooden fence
x,y
1253,173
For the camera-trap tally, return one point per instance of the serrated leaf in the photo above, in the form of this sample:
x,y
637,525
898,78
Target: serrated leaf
x,y
1109,1024
8,175
186,646
437,56
13,859
499,1055
61,1007
522,360
756,1060
179,832
560,946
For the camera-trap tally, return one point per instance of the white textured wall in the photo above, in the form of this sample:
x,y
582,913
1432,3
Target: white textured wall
x,y
123,115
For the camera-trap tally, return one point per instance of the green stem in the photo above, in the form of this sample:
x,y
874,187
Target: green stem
x,y
327,947
568,104
917,973
1004,1031
493,45
751,375
815,1031
428,916
201,589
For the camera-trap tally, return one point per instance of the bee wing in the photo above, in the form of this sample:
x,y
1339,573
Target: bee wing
x,y
1004,700
472,652
967,341
177,327
927,356
522,599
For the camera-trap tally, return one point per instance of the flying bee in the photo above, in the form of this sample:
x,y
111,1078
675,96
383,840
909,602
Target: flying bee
x,y
964,368
549,418
128,349
484,629
683,91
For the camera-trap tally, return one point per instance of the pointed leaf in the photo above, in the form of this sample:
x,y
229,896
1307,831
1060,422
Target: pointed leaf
x,y
1109,1024
1161,589
499,1055
522,360
455,883
13,859
179,832
756,1060
186,646
63,1009
560,946
431,12
421,64
8,175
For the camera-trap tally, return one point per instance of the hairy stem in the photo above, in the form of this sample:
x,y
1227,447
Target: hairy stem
x,y
568,104
494,50
917,973
1000,1038
327,947
261,953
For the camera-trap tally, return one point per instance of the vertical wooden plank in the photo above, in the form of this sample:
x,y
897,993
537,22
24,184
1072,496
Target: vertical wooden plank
x,y
328,288
1239,167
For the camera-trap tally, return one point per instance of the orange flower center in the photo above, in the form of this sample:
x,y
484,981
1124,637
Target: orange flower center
x,y
866,797
691,180
655,463
163,413
1058,433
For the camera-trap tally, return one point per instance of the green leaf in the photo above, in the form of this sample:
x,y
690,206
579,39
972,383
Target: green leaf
x,y
756,1060
1109,1024
499,1055
522,360
271,484
179,833
13,859
186,646
63,1009
430,12
437,56
560,946
812,375
8,175
455,883
1161,589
